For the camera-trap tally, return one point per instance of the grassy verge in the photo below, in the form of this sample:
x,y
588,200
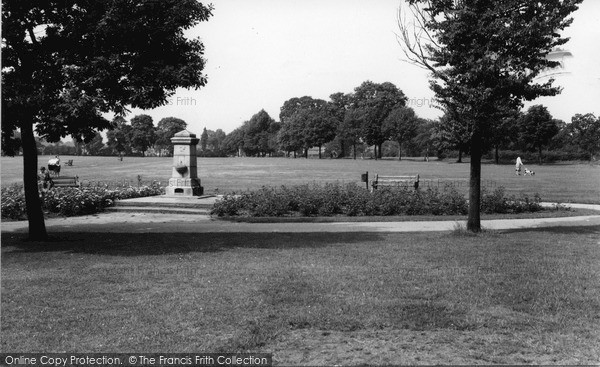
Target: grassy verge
x,y
312,299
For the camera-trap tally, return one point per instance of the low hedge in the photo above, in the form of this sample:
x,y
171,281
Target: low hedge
x,y
352,200
548,156
72,201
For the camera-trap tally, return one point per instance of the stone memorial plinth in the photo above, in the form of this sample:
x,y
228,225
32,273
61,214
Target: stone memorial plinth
x,y
184,179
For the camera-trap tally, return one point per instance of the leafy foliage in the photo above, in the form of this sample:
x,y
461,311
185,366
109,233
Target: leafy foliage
x,y
142,133
352,200
537,128
375,102
256,136
72,201
401,126
586,131
165,130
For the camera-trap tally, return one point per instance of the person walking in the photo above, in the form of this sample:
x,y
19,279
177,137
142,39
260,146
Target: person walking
x,y
518,166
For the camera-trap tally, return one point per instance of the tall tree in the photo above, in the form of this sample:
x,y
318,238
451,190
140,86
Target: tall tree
x,y
64,63
505,132
340,103
143,134
586,131
537,128
401,126
351,128
165,130
454,134
426,138
118,137
320,124
215,140
294,116
234,142
204,140
95,145
484,56
257,134
376,101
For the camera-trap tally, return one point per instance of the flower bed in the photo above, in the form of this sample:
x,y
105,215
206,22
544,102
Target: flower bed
x,y
352,200
72,201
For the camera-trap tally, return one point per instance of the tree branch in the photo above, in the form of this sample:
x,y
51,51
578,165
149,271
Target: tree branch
x,y
414,38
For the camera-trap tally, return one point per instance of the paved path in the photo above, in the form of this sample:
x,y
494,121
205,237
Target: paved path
x,y
173,223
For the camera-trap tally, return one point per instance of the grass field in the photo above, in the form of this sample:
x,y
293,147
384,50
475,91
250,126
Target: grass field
x,y
513,297
312,299
554,182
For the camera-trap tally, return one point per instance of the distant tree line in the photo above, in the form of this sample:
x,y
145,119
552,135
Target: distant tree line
x,y
374,121
138,138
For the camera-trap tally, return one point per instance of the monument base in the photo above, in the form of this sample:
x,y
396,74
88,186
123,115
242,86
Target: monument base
x,y
184,187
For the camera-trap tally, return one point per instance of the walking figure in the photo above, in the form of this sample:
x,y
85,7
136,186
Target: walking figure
x,y
518,166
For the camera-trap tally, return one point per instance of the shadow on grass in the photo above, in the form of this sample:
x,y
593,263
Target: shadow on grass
x,y
139,244
559,230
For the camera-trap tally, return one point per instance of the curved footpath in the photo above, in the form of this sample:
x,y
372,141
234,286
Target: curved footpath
x,y
181,223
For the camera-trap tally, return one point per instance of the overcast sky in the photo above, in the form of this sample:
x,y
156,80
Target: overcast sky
x,y
261,53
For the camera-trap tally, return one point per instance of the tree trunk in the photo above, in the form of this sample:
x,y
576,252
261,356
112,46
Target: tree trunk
x,y
319,151
474,220
354,150
35,215
497,155
459,156
380,155
375,151
540,154
399,150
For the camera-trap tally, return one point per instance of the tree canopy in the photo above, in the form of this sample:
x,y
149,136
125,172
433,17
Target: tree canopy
x,y
586,131
165,130
375,102
537,128
401,126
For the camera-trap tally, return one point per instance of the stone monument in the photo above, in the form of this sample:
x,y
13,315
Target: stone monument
x,y
184,180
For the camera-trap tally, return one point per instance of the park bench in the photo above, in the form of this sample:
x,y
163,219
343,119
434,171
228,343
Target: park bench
x,y
66,181
395,181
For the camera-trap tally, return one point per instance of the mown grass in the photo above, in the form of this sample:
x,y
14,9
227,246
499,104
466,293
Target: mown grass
x,y
554,182
500,297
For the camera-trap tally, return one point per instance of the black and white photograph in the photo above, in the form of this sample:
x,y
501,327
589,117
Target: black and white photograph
x,y
300,183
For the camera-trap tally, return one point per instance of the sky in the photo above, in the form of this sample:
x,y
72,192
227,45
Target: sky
x,y
261,53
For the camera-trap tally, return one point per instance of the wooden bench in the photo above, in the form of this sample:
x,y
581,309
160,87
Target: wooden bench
x,y
395,181
66,181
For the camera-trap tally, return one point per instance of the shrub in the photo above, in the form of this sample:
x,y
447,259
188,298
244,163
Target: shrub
x,y
497,202
13,202
69,201
352,200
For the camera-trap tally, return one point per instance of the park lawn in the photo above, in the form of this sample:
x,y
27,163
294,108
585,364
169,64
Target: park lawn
x,y
575,183
517,297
